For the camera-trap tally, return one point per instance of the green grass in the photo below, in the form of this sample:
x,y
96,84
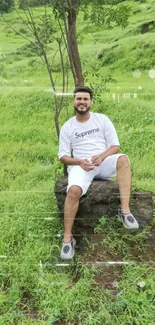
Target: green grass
x,y
33,289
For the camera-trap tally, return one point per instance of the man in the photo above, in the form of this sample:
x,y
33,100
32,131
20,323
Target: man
x,y
93,141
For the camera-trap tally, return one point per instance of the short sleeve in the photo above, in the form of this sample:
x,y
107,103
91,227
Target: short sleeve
x,y
64,143
110,133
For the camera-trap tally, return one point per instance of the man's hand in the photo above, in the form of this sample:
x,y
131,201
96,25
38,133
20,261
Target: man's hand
x,y
96,160
86,165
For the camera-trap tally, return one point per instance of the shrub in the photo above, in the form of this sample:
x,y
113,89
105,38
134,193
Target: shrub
x,y
6,5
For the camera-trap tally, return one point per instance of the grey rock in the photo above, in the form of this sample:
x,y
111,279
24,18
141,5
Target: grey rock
x,y
103,199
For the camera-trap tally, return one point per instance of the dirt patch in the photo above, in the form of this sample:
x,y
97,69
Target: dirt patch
x,y
99,253
63,322
26,305
109,262
142,252
145,254
110,277
110,274
60,322
28,310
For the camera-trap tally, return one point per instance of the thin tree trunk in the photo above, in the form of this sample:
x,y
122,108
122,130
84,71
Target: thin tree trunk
x,y
73,47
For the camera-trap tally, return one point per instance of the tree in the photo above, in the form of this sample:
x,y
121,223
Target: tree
x,y
43,32
6,5
62,29
99,12
67,11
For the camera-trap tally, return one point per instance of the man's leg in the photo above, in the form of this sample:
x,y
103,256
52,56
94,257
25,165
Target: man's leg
x,y
118,165
78,183
124,182
70,209
82,179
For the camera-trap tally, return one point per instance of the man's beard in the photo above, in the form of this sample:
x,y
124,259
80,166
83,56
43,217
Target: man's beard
x,y
82,111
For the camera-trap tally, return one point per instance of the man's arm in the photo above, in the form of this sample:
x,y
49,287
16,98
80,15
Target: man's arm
x,y
112,141
111,151
65,152
69,160
97,160
83,163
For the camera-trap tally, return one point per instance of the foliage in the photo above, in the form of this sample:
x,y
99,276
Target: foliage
x,y
6,5
101,14
96,11
23,4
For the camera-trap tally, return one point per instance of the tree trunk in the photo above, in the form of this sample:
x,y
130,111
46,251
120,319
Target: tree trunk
x,y
73,46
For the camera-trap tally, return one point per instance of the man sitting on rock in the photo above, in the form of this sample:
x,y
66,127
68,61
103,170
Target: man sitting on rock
x,y
89,146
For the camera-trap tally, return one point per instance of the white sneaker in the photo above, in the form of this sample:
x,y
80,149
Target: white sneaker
x,y
67,250
128,220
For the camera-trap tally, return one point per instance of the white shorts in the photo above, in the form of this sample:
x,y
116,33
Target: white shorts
x,y
79,177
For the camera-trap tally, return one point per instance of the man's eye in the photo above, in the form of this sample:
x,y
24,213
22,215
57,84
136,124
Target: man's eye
x,y
86,99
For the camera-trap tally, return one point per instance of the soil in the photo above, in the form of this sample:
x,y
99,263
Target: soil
x,y
113,273
146,254
26,306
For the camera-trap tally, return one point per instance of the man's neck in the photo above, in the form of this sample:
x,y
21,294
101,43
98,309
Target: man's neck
x,y
83,118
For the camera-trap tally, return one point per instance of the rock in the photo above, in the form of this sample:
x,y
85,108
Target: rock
x,y
102,199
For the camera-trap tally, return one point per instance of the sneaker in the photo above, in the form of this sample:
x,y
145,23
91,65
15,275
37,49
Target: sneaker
x,y
128,221
68,251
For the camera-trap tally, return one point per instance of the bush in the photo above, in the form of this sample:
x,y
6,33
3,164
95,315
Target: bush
x,y
27,50
6,5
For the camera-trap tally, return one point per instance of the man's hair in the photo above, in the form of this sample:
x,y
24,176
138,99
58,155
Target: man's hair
x,y
84,90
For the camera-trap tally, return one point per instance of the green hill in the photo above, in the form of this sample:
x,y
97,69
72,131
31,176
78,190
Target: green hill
x,y
117,51
34,289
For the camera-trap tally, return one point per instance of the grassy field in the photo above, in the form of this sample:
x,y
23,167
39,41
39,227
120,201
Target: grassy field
x,y
35,286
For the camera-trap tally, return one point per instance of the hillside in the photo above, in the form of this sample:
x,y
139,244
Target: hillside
x,y
35,288
115,51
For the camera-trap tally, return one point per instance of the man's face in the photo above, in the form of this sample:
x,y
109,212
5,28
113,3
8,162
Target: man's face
x,y
82,102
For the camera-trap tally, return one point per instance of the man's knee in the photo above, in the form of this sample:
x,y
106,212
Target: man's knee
x,y
74,192
123,161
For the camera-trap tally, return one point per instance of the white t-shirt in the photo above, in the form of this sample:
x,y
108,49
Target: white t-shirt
x,y
87,139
